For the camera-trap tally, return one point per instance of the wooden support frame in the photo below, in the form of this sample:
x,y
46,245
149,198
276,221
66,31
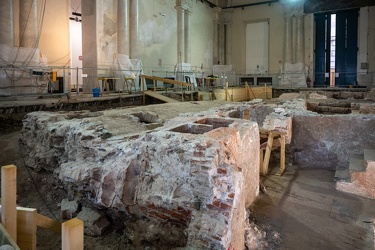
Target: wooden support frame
x,y
271,135
156,78
19,224
267,154
8,200
26,228
72,234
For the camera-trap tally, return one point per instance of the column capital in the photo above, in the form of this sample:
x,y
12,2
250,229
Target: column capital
x,y
227,16
183,5
217,12
293,8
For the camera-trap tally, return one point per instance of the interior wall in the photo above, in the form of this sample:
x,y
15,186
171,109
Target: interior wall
x,y
158,35
275,14
257,48
327,141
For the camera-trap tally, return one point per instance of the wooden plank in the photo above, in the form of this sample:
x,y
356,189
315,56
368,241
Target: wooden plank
x,y
183,84
8,200
282,155
226,92
47,223
72,234
159,96
143,91
261,154
267,156
26,228
246,114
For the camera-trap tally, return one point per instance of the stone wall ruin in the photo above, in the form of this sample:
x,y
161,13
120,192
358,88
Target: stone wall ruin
x,y
184,184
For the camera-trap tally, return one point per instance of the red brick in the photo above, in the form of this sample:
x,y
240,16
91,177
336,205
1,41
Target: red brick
x,y
216,237
221,171
231,195
158,215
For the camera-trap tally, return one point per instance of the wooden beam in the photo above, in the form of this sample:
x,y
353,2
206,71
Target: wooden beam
x,y
8,200
267,156
156,78
226,91
47,223
247,91
261,154
143,91
26,228
72,234
282,155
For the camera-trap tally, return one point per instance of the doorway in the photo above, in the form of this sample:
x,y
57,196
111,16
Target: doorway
x,y
336,47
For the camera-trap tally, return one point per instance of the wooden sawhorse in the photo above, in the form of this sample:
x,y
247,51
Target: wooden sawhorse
x,y
129,83
105,83
275,139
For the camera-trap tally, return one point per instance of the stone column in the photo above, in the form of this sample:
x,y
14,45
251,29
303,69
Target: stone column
x,y
288,40
180,33
187,35
28,23
89,43
6,23
293,9
122,27
221,30
216,23
133,29
300,48
228,35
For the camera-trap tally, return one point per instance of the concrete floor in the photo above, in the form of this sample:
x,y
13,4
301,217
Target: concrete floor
x,y
307,211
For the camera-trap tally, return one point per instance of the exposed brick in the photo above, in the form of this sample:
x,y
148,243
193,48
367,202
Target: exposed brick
x,y
216,237
221,171
158,215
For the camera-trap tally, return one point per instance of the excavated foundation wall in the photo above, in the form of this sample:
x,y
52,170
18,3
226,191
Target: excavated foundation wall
x,y
186,183
327,141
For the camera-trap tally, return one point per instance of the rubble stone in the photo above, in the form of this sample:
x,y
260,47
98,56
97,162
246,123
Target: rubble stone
x,y
94,223
69,209
187,183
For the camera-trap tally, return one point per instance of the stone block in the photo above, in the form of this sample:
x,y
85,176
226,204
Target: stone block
x,y
94,222
69,209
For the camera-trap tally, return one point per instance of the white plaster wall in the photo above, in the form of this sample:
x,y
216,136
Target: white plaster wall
x,y
158,35
273,13
202,36
54,40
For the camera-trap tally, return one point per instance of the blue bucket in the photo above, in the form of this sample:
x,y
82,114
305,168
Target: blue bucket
x,y
96,92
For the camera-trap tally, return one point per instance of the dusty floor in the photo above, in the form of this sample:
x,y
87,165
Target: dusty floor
x,y
307,211
300,210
